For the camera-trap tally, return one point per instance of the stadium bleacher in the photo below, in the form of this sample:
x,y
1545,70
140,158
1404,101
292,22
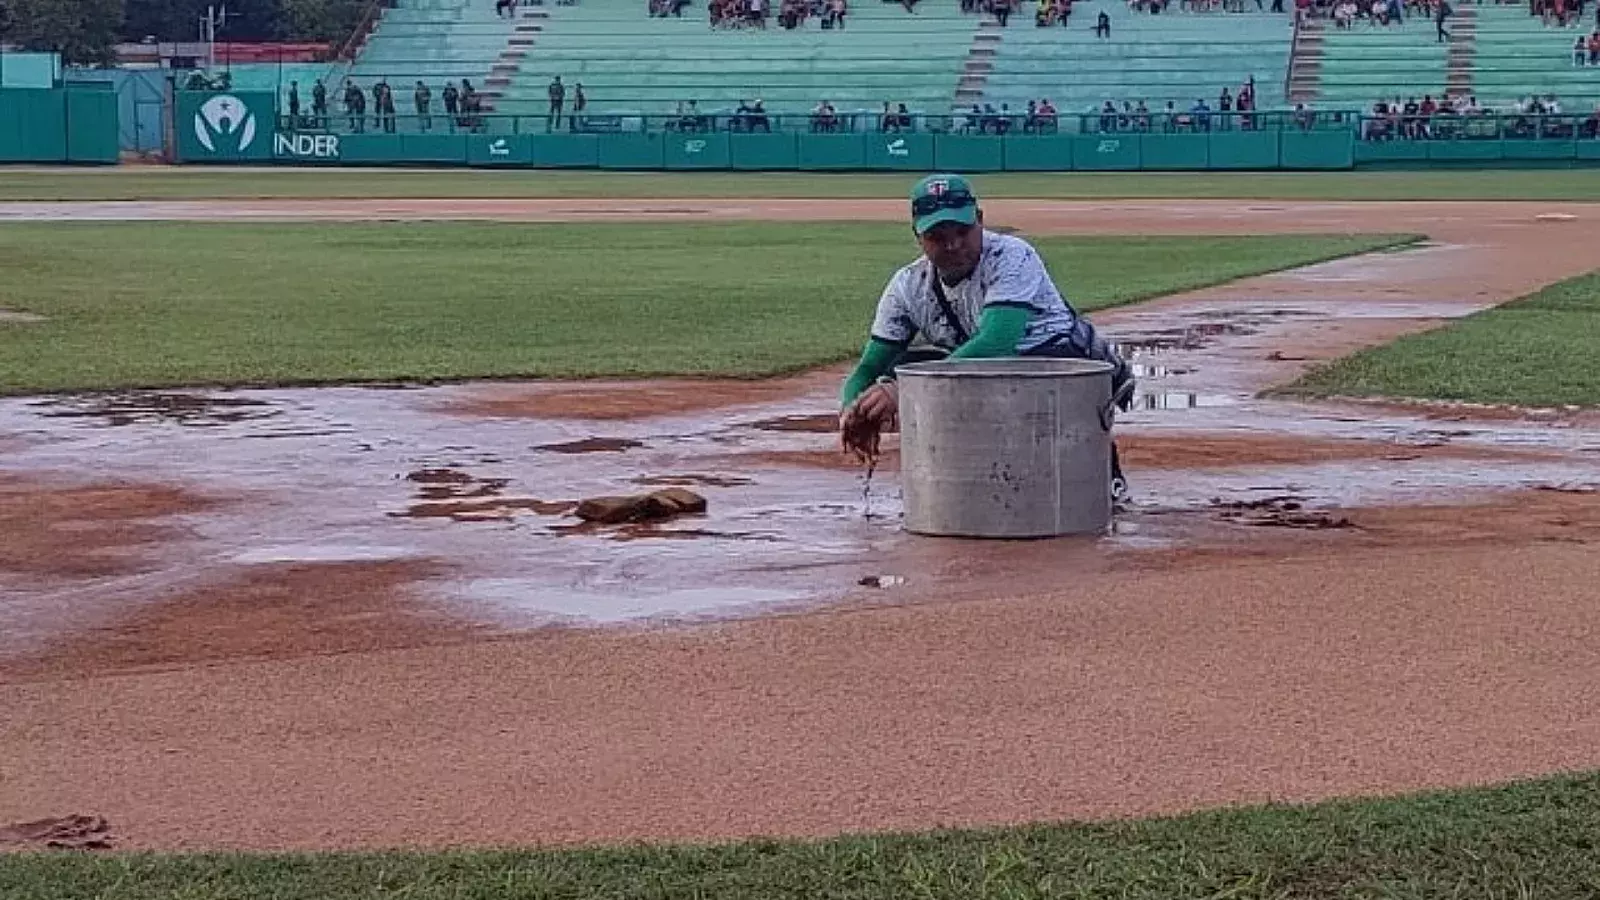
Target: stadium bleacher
x,y
629,62
1176,56
1367,62
1517,56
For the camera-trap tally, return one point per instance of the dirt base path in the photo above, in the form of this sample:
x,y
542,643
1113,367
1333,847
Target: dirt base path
x,y
357,618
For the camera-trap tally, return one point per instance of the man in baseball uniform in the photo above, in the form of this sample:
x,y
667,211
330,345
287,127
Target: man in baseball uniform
x,y
973,294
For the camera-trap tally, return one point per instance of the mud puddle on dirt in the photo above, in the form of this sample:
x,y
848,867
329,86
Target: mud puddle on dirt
x,y
405,474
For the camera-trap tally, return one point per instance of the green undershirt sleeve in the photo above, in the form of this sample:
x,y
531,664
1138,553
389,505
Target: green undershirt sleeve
x,y
999,330
877,358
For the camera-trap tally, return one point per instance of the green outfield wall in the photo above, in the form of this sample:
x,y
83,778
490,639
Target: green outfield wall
x,y
246,127
58,125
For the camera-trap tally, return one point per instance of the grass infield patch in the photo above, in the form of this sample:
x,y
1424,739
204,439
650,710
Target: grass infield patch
x,y
1530,839
153,305
1540,350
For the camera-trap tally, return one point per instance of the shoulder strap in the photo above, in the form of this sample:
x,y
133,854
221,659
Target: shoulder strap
x,y
944,306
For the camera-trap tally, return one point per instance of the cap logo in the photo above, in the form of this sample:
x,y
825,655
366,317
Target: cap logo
x,y
937,187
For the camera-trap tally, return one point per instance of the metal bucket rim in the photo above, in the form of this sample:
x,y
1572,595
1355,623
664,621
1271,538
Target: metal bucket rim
x,y
1037,367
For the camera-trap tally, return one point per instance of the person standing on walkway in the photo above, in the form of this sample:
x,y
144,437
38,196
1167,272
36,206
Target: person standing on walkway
x,y
558,96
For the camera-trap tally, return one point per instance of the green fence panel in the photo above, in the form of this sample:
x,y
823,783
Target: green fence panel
x,y
632,151
1028,153
566,151
763,151
39,117
1174,151
1316,149
831,151
92,126
899,151
433,148
696,151
1388,151
1547,148
499,149
1588,149
222,127
1467,150
10,128
1238,149
1097,152
968,153
347,148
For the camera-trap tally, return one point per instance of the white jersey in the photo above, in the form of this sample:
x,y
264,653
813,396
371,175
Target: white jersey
x,y
1009,273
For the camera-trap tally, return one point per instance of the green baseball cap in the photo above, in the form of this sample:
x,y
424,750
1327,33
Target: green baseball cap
x,y
942,198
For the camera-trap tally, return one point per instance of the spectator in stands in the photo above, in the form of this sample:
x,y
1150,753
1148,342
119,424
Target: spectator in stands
x,y
1002,11
580,102
1580,51
386,107
355,106
558,98
756,13
1594,48
1303,118
470,105
824,118
1441,11
755,116
294,104
1202,115
319,104
422,97
451,98
503,8
1102,25
791,13
1225,107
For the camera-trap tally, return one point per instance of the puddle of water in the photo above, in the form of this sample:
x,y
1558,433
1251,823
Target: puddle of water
x,y
1169,400
321,553
592,445
818,423
143,407
693,480
492,509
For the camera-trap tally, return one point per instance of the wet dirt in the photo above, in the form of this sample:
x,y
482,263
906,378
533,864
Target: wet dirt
x,y
268,611
141,407
814,423
75,832
694,480
1454,628
58,528
1286,511
621,401
591,445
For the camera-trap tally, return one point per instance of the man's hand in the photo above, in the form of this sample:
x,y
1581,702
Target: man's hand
x,y
875,411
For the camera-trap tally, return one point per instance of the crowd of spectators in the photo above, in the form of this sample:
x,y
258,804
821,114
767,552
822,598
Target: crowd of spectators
x,y
1041,117
464,106
1457,117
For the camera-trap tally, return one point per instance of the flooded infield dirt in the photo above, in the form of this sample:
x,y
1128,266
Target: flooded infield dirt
x,y
305,613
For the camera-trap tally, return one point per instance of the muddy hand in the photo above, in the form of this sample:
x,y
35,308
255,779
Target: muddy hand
x,y
861,424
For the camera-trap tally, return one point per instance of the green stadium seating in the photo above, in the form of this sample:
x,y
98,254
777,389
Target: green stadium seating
x,y
1173,56
1517,55
1365,63
629,62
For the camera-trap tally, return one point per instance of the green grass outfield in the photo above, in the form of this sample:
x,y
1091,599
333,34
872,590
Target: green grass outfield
x,y
194,182
1535,839
141,305
1540,350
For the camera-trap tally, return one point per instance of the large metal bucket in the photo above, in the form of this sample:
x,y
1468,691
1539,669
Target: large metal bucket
x,y
1006,448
